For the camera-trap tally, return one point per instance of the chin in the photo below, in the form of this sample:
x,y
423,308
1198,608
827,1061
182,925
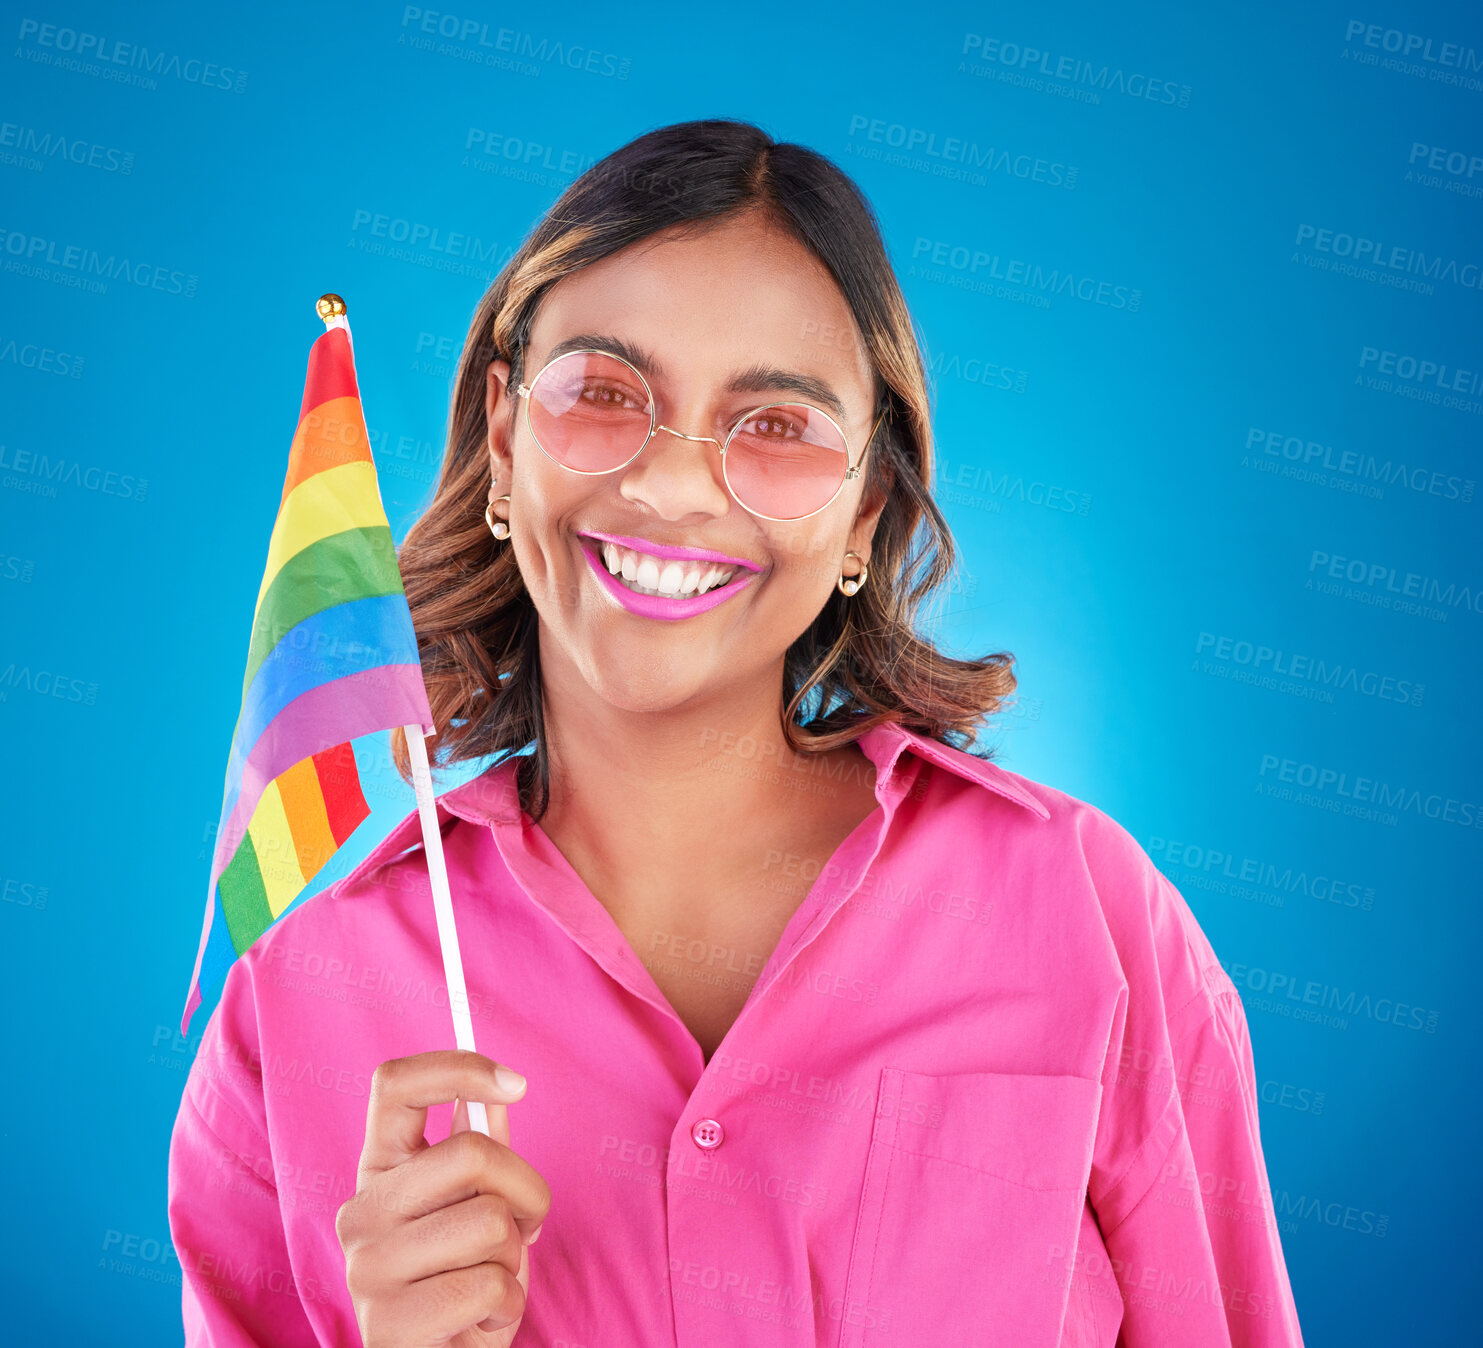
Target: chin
x,y
642,696
635,678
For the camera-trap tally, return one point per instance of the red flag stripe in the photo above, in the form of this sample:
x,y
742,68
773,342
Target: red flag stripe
x,y
339,780
331,372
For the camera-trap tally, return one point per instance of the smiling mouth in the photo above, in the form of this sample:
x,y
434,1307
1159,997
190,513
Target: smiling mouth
x,y
663,600
661,578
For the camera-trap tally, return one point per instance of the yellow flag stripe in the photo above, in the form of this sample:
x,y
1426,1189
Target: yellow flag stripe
x,y
272,840
328,503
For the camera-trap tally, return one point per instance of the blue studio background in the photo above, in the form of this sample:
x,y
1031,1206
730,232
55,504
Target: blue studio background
x,y
1217,495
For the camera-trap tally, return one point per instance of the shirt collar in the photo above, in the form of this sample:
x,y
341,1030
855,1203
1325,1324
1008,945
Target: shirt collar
x,y
884,744
491,797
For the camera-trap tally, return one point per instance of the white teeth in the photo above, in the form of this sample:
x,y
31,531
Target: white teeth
x,y
671,578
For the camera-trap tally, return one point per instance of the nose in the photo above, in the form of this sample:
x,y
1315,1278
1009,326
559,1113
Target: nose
x,y
676,476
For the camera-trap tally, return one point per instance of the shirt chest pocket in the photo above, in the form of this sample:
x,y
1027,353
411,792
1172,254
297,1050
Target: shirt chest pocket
x,y
974,1188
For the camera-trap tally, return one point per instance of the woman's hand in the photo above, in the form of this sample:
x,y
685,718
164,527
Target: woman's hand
x,y
435,1237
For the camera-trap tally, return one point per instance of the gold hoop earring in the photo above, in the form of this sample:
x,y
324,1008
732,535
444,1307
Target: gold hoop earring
x,y
848,585
499,528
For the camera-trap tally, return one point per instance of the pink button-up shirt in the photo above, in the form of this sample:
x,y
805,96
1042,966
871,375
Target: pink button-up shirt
x,y
992,1086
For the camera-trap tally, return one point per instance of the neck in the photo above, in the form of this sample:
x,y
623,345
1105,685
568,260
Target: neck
x,y
664,799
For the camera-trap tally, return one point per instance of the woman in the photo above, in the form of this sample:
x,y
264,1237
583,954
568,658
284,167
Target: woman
x,y
835,1033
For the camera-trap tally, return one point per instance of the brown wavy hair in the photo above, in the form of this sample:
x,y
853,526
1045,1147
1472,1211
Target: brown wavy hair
x,y
861,662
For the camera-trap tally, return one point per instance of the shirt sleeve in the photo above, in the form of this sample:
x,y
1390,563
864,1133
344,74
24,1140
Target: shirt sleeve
x,y
238,1287
1189,1224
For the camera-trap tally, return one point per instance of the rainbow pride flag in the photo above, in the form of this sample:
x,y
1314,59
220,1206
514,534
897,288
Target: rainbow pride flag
x,y
332,656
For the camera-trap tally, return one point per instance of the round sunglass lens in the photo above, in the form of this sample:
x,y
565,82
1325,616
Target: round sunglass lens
x,y
589,411
786,461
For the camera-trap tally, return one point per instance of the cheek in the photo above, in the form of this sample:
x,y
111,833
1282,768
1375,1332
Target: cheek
x,y
537,477
796,593
550,505
810,562
534,512
549,501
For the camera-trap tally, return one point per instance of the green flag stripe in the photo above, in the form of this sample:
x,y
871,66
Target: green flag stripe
x,y
243,898
355,564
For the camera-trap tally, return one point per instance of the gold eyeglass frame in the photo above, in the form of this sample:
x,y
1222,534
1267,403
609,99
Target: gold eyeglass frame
x,y
851,472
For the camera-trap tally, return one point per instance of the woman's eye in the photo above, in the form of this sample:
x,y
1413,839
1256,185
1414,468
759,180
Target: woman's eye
x,y
608,397
772,426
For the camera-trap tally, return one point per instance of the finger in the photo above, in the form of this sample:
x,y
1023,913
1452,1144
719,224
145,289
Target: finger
x,y
478,1230
448,1303
494,1323
497,1117
402,1091
460,1167
496,1120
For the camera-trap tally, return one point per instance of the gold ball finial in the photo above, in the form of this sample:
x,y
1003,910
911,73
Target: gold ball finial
x,y
329,306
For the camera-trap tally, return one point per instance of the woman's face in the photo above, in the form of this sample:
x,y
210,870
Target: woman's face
x,y
736,300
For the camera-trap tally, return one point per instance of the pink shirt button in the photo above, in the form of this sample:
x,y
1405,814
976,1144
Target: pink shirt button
x,y
707,1133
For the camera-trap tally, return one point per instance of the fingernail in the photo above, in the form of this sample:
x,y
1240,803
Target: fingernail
x,y
509,1079
534,1236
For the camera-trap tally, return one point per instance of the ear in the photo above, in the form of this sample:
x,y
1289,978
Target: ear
x,y
497,405
862,532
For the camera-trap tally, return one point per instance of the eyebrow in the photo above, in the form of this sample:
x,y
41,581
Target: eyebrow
x,y
758,378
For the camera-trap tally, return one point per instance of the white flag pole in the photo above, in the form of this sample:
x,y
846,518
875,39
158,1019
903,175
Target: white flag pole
x,y
331,308
437,870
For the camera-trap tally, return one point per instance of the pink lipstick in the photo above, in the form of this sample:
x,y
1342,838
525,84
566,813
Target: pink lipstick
x,y
672,553
655,606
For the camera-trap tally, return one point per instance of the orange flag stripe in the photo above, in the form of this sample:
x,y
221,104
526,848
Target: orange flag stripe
x,y
331,434
303,804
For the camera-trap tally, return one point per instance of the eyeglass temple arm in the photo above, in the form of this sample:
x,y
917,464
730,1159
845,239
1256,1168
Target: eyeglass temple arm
x,y
854,472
